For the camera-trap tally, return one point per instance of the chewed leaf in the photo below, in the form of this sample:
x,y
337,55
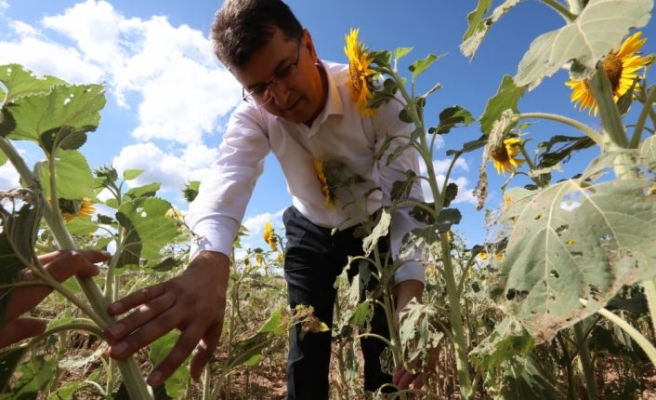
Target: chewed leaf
x,y
599,29
572,241
478,25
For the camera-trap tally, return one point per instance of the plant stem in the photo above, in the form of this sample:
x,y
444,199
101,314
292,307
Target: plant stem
x,y
586,362
591,133
564,12
650,292
638,337
134,382
455,317
610,115
642,118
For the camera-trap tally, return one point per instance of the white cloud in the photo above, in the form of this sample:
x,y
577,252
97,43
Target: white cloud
x,y
166,169
9,178
181,91
4,5
441,167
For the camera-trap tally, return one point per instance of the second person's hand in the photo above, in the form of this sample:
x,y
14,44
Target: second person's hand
x,y
193,302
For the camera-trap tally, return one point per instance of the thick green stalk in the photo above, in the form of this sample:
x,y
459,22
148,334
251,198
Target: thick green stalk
x,y
638,337
455,317
586,362
591,133
642,118
564,12
650,291
610,115
134,382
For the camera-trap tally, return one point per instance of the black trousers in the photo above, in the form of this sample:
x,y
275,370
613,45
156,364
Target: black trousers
x,y
313,259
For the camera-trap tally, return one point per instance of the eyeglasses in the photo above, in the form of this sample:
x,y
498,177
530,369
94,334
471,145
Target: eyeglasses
x,y
261,94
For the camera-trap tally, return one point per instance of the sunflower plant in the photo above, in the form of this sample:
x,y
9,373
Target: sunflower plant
x,y
566,248
57,208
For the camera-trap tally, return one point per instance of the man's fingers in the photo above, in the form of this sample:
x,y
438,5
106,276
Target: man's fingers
x,y
20,329
185,344
151,320
135,299
205,350
69,263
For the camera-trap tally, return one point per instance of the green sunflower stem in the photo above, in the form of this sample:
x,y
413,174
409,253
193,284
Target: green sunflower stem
x,y
564,12
591,133
642,118
455,313
133,380
610,115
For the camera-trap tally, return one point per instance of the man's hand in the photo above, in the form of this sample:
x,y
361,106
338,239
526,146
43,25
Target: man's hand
x,y
193,302
404,292
61,265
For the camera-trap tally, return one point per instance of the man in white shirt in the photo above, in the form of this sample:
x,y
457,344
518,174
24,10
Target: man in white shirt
x,y
300,108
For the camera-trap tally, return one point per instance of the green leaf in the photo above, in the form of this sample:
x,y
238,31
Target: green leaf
x,y
274,324
33,376
576,240
147,229
419,66
149,190
507,97
191,191
362,314
478,26
81,227
130,174
177,382
74,177
599,29
451,117
401,52
21,82
60,118
469,146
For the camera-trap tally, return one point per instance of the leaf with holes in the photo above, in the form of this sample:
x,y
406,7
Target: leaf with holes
x,y
575,240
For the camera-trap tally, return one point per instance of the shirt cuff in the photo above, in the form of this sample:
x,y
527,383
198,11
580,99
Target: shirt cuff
x,y
215,236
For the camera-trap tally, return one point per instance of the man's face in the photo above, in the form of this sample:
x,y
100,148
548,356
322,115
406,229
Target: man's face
x,y
283,75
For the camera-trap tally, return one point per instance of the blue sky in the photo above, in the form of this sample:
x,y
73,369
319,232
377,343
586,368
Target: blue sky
x,y
169,99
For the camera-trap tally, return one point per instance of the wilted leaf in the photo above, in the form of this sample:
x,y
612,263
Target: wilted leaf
x,y
478,26
599,29
419,330
380,230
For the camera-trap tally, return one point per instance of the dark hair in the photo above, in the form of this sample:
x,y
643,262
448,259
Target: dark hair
x,y
242,27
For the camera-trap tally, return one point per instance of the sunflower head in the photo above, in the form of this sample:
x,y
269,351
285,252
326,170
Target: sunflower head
x,y
72,209
621,67
360,75
326,190
505,157
270,236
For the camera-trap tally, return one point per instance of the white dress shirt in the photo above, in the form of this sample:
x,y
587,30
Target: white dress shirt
x,y
341,138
